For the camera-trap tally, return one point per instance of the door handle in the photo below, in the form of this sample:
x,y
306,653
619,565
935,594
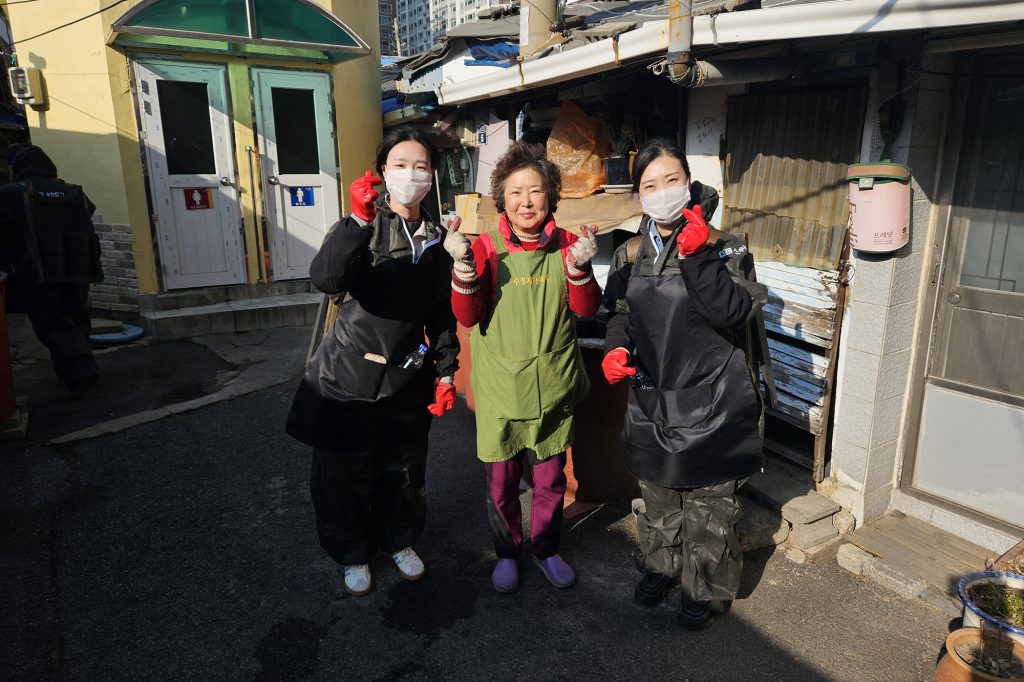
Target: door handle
x,y
954,297
226,181
272,180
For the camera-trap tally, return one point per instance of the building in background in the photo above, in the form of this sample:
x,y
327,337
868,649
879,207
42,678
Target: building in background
x,y
388,11
424,22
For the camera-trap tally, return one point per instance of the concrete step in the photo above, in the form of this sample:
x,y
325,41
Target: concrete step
x,y
194,298
761,526
779,484
264,312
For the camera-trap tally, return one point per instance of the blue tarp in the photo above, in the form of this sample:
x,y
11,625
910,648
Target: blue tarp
x,y
504,63
492,51
389,104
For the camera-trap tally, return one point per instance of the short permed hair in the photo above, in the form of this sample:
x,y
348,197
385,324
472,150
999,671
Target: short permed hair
x,y
519,156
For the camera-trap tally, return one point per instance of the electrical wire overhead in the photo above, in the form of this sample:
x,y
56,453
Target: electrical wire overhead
x,y
101,10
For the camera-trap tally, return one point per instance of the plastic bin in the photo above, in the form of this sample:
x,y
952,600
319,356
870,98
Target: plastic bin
x,y
879,206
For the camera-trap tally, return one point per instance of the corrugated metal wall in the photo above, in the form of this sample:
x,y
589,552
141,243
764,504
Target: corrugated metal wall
x,y
787,156
786,164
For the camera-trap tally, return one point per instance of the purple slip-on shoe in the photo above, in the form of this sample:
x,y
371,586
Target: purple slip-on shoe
x,y
505,577
558,573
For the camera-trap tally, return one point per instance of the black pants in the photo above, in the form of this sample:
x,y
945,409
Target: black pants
x,y
59,315
691,534
368,499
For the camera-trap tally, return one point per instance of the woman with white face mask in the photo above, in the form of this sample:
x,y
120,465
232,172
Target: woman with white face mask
x,y
366,401
692,430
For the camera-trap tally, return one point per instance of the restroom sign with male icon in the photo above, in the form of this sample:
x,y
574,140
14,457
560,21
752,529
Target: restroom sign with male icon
x,y
198,198
302,196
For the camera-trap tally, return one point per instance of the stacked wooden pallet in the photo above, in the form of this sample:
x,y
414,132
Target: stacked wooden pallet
x,y
802,318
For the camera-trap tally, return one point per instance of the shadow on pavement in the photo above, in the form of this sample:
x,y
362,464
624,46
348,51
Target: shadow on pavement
x,y
133,378
185,549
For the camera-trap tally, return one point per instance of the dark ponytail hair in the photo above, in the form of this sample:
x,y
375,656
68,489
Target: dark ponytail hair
x,y
401,134
652,149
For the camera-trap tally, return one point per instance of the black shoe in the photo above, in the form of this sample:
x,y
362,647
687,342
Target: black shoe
x,y
695,615
651,588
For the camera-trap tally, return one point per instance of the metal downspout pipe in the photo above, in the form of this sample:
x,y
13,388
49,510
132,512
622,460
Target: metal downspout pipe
x,y
536,19
680,39
682,69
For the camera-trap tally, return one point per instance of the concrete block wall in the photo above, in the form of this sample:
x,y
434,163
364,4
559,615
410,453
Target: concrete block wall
x,y
883,309
119,290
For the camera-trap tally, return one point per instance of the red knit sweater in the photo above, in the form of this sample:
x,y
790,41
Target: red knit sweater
x,y
472,301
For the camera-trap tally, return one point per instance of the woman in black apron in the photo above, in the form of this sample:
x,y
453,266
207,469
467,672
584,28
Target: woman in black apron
x,y
692,432
366,399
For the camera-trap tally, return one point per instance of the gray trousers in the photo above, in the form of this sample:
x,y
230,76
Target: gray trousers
x,y
691,534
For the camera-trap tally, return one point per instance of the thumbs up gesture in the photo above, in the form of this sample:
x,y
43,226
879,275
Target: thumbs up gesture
x,y
582,250
458,246
363,194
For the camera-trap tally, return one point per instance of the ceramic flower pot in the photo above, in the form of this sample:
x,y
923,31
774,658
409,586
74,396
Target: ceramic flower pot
x,y
954,667
975,616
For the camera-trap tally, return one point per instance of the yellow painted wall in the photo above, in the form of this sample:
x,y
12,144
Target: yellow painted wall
x,y
130,158
357,94
90,129
79,130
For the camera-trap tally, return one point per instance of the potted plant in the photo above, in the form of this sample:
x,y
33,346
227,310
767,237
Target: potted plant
x,y
974,655
619,164
994,600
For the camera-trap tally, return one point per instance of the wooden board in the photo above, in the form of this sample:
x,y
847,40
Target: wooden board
x,y
796,412
794,333
937,557
797,366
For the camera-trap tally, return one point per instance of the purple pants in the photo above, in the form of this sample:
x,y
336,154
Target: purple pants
x,y
506,514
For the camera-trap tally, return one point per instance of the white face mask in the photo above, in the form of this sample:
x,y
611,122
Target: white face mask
x,y
666,205
407,186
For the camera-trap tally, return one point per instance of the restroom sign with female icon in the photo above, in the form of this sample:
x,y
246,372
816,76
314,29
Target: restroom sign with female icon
x,y
302,196
198,198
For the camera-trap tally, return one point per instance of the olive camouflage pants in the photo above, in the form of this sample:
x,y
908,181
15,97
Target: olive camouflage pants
x,y
691,534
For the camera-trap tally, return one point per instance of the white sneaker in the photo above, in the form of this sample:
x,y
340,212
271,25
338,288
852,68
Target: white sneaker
x,y
358,581
409,564
638,506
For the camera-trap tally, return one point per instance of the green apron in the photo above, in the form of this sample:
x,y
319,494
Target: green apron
x,y
528,373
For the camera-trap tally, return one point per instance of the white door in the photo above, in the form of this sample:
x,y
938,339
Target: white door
x,y
298,165
186,131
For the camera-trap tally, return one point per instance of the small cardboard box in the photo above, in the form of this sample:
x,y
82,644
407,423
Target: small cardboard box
x,y
478,213
605,211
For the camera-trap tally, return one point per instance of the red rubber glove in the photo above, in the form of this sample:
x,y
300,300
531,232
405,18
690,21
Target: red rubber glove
x,y
444,399
363,195
694,236
616,365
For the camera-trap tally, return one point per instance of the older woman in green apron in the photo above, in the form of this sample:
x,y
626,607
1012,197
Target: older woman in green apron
x,y
519,286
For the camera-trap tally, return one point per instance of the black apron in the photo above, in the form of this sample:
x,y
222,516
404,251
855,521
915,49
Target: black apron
x,y
699,425
342,388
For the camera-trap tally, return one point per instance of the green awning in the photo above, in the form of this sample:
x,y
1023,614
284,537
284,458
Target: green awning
x,y
285,29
